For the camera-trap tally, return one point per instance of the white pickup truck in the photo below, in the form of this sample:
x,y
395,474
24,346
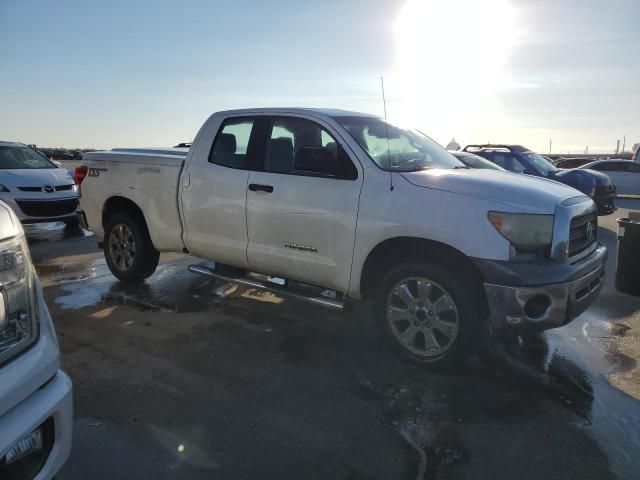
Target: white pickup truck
x,y
342,206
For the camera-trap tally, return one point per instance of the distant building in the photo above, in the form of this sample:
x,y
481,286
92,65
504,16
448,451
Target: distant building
x,y
453,145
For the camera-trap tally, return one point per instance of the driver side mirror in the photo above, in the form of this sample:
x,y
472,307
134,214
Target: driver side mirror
x,y
333,162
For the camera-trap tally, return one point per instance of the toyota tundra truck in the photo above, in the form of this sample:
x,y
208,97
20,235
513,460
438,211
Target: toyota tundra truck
x,y
333,207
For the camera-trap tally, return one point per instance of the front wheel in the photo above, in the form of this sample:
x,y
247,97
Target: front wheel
x,y
427,315
130,255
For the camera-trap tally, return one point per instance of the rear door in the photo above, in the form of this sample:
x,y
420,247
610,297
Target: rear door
x,y
302,224
214,199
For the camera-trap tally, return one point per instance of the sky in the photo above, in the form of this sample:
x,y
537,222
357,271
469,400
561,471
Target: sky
x,y
101,74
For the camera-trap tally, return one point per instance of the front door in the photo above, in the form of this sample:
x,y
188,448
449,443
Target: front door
x,y
302,223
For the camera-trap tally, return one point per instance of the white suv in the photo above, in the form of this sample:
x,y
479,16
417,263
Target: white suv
x,y
36,408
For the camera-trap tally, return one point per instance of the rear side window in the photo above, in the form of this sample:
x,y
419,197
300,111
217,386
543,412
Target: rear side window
x,y
506,161
232,142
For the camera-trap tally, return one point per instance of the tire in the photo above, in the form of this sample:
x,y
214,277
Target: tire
x,y
443,313
130,255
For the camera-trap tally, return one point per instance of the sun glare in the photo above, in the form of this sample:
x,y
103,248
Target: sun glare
x,y
450,56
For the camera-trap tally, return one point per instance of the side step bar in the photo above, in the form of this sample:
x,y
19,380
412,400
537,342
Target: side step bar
x,y
334,304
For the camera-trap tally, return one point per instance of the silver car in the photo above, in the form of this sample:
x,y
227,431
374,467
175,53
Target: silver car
x,y
35,188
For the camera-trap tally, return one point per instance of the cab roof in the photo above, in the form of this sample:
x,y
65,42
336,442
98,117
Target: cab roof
x,y
326,112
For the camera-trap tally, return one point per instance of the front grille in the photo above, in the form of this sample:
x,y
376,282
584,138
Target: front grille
x,y
48,208
59,188
583,234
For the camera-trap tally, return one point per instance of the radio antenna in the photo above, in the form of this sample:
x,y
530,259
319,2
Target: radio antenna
x,y
386,127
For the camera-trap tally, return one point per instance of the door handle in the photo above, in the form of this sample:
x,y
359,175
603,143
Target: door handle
x,y
254,187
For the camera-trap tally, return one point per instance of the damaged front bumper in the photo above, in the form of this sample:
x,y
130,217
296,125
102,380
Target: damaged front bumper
x,y
539,296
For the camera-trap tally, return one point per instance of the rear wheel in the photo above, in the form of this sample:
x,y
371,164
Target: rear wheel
x,y
427,315
130,255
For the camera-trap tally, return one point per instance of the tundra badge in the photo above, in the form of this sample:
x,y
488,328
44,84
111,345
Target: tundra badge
x,y
304,248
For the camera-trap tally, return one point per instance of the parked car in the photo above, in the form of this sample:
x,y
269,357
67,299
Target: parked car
x,y
354,208
46,152
36,411
519,159
61,154
572,162
474,161
77,154
624,173
35,188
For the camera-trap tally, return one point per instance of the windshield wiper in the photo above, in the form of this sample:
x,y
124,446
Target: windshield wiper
x,y
461,166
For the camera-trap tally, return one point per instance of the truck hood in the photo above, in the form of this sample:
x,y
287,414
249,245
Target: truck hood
x,y
522,191
581,179
35,177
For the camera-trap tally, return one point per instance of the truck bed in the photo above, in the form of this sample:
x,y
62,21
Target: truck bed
x,y
147,177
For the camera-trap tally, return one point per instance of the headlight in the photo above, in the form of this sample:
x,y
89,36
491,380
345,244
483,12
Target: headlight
x,y
4,189
528,233
18,317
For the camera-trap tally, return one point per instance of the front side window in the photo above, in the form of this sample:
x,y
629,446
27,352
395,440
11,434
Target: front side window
x,y
397,149
232,142
301,147
506,161
14,158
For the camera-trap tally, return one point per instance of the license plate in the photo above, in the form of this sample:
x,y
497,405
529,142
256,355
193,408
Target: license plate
x,y
24,447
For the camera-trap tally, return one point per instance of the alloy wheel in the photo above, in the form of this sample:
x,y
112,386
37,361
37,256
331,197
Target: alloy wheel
x,y
422,316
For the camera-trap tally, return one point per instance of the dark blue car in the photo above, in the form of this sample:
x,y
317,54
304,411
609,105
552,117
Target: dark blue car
x,y
519,159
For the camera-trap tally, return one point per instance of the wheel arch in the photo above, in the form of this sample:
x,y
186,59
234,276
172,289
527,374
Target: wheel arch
x,y
119,204
394,251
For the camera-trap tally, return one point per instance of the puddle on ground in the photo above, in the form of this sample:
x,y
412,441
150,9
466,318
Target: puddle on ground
x,y
172,288
52,232
61,273
597,343
82,294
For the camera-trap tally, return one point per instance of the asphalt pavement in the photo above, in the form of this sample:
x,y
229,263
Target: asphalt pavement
x,y
184,377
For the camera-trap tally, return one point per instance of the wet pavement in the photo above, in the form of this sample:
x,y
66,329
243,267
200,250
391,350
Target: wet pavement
x,y
186,377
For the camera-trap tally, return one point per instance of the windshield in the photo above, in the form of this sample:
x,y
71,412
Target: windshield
x,y
12,158
539,163
397,149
